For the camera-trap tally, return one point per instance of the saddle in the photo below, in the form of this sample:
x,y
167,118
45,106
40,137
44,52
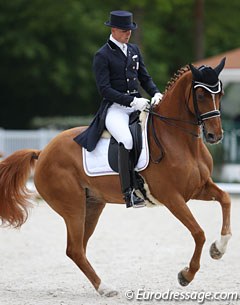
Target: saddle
x,y
136,131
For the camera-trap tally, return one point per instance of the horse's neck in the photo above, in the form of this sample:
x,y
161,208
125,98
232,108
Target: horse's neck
x,y
175,102
180,122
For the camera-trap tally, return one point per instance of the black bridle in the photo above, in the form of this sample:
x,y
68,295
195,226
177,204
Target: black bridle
x,y
172,121
210,114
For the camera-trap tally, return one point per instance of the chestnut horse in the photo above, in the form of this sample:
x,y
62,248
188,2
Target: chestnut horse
x,y
190,105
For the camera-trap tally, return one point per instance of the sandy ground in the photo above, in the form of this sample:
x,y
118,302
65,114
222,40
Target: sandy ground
x,y
137,250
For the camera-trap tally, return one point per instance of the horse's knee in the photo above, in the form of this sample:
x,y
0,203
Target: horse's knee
x,y
199,237
128,142
225,201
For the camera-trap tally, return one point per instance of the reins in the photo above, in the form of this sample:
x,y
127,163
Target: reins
x,y
169,121
150,122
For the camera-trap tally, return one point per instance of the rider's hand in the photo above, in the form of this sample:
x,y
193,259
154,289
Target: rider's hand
x,y
156,98
140,103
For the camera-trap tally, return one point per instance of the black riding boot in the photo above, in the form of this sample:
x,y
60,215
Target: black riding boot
x,y
131,199
137,181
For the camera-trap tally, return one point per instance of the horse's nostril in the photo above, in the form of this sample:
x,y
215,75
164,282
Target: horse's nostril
x,y
210,136
213,138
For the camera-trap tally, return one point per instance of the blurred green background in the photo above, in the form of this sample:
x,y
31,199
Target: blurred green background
x,y
47,47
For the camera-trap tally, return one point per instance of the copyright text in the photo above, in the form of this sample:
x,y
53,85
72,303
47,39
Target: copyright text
x,y
169,295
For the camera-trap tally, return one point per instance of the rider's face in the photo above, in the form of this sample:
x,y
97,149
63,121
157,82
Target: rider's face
x,y
122,36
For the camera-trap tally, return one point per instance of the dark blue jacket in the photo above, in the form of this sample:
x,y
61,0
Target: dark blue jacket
x,y
118,78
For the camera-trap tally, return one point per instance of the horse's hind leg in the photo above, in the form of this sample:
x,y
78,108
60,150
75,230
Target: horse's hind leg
x,y
70,203
180,210
212,192
94,208
78,232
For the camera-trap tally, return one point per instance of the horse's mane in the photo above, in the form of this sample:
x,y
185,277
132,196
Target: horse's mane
x,y
175,77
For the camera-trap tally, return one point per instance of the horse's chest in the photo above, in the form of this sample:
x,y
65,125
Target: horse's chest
x,y
199,173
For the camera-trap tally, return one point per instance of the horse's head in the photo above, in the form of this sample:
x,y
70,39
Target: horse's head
x,y
207,92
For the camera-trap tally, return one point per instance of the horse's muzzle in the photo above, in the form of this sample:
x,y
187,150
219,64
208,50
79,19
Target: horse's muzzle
x,y
213,138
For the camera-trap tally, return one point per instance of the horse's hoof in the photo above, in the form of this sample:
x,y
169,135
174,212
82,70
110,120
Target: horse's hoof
x,y
181,279
110,293
214,252
106,290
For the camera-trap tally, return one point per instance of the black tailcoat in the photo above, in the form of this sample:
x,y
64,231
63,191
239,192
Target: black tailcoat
x,y
117,78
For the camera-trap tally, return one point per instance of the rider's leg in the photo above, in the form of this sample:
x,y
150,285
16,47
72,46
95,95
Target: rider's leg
x,y
130,197
137,181
117,120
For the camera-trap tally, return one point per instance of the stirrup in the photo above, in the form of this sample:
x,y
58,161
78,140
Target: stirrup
x,y
137,202
132,200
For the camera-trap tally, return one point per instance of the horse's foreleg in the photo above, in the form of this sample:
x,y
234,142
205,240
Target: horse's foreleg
x,y
180,210
212,192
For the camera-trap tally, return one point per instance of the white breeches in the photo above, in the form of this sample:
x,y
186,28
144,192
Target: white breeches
x,y
116,122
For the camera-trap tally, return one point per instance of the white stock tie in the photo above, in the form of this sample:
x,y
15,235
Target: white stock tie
x,y
124,49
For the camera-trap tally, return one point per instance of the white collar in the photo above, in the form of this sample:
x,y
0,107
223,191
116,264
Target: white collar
x,y
119,44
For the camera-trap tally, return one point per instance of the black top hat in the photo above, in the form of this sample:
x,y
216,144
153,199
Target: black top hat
x,y
121,20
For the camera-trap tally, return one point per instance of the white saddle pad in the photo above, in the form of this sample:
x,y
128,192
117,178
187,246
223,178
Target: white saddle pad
x,y
95,163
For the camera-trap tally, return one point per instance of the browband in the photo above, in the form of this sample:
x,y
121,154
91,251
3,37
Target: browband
x,y
211,88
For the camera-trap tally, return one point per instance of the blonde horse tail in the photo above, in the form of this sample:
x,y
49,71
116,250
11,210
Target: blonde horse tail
x,y
14,195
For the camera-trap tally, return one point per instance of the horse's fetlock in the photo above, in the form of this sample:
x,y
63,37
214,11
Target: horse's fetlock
x,y
194,267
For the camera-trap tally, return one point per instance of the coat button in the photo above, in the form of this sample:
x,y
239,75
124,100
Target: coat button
x,y
133,67
127,79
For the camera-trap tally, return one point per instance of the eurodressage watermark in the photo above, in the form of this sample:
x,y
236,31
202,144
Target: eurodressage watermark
x,y
199,296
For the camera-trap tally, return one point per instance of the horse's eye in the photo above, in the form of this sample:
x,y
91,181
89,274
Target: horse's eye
x,y
200,96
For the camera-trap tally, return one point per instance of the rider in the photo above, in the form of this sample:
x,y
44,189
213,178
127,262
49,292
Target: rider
x,y
118,67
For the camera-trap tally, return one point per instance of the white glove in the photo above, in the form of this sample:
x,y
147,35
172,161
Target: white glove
x,y
156,98
139,103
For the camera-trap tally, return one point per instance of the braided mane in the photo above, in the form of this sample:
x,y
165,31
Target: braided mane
x,y
175,77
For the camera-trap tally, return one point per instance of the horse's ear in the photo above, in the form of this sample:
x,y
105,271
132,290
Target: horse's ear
x,y
195,72
219,68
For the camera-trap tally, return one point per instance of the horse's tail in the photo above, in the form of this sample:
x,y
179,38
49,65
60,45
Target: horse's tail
x,y
14,195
